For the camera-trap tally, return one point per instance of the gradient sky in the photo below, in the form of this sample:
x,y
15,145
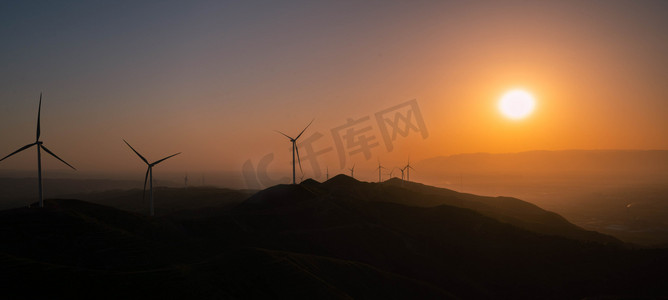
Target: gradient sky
x,y
213,79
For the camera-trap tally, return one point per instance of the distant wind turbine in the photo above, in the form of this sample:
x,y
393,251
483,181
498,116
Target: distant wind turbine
x,y
327,173
295,149
408,168
39,145
149,173
379,168
402,172
352,171
390,173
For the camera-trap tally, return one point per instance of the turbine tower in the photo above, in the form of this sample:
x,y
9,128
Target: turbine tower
x,y
402,172
295,149
408,168
379,168
149,173
352,171
40,146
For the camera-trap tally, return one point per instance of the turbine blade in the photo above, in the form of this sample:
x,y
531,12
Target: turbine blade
x,y
39,111
157,162
309,124
47,151
17,151
143,196
287,136
299,160
133,149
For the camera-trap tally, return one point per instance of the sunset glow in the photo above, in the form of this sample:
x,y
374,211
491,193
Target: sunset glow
x,y
214,80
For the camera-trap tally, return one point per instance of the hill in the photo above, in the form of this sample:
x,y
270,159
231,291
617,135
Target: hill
x,y
74,249
506,209
193,201
337,239
457,249
591,188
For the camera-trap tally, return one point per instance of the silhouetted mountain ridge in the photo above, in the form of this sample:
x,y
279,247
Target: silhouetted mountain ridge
x,y
192,201
511,210
451,247
338,239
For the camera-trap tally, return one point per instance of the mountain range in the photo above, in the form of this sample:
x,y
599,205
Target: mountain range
x,y
337,239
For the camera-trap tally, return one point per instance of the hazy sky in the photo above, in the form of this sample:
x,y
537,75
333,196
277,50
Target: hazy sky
x,y
213,79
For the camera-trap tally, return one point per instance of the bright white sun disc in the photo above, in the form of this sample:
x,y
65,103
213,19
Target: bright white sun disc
x,y
516,104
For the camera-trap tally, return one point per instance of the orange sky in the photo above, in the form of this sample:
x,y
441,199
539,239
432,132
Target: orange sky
x,y
214,80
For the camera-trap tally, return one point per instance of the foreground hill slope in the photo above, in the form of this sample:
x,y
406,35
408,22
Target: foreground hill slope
x,y
75,249
337,239
464,251
506,209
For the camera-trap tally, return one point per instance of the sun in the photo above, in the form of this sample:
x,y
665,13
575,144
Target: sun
x,y
516,104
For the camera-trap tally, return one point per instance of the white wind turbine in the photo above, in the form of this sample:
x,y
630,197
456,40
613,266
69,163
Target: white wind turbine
x,y
39,145
149,173
295,149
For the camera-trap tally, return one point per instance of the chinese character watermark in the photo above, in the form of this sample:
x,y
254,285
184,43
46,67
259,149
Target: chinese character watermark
x,y
354,138
406,116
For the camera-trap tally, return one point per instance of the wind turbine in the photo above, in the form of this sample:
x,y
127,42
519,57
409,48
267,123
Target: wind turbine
x,y
402,172
379,168
295,149
390,173
408,168
327,173
39,145
149,173
352,171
